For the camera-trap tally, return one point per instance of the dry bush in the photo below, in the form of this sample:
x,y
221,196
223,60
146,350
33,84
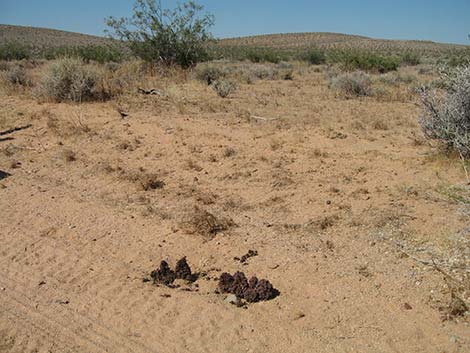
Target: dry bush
x,y
124,77
224,88
356,84
69,79
16,75
446,117
209,73
208,225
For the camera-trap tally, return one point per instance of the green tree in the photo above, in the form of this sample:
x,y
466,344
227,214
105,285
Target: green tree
x,y
171,36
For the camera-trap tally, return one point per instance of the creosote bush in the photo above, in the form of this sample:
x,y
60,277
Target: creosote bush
x,y
446,117
69,79
355,84
171,36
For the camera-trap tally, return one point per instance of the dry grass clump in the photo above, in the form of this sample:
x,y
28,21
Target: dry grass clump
x,y
209,73
356,84
208,225
224,88
69,79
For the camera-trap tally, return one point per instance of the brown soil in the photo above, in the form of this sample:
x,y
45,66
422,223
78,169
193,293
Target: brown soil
x,y
348,229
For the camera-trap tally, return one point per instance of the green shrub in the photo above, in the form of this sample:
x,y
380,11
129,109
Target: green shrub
x,y
355,84
14,51
69,79
313,56
410,59
367,61
172,36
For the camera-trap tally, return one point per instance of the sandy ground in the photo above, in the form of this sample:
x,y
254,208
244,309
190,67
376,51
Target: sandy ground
x,y
340,198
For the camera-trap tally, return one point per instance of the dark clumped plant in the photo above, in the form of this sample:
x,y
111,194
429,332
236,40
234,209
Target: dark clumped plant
x,y
446,117
313,56
410,58
14,51
171,36
364,60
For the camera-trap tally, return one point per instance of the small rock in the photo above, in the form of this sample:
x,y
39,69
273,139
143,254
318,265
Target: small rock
x,y
407,306
231,299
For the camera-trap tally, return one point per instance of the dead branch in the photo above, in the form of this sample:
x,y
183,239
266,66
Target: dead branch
x,y
19,128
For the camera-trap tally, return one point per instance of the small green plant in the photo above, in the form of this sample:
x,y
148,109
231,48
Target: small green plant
x,y
224,88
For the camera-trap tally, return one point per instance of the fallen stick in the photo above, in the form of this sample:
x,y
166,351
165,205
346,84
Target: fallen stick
x,y
262,118
19,128
152,91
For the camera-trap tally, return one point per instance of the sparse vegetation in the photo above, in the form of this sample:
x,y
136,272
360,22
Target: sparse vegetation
x,y
446,117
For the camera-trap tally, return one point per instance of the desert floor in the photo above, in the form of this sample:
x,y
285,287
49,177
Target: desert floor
x,y
359,223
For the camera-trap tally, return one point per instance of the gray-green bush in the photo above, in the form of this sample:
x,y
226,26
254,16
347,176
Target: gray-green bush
x,y
446,117
355,84
69,79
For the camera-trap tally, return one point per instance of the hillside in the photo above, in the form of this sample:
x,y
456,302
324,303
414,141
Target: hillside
x,y
290,41
47,38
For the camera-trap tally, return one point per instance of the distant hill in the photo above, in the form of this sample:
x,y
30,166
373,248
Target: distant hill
x,y
291,41
47,38
50,38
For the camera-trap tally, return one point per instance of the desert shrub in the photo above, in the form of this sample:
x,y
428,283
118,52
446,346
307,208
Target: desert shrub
x,y
209,73
224,88
263,72
14,51
410,59
446,117
172,36
17,75
363,60
313,56
355,84
69,79
123,77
